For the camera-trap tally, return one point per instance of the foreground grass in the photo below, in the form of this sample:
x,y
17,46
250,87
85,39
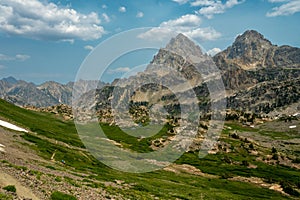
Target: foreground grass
x,y
42,123
162,184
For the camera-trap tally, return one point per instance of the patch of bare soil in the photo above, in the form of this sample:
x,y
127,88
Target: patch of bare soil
x,y
22,191
21,167
188,169
259,182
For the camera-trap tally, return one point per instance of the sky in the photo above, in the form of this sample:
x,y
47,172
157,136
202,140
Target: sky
x,y
43,40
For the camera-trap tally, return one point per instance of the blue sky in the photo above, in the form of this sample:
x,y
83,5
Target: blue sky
x,y
44,40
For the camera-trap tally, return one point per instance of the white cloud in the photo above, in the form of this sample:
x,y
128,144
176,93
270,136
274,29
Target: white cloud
x,y
119,70
181,1
140,14
48,21
203,3
183,21
22,57
277,1
122,9
213,51
203,34
18,57
209,8
5,57
104,6
289,8
106,17
89,47
186,24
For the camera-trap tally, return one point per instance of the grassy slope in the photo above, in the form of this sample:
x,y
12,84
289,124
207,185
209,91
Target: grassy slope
x,y
163,184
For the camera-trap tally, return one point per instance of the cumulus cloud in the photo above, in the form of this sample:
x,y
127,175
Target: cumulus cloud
x,y
203,3
213,51
183,21
48,21
18,57
5,57
104,6
277,1
186,24
289,7
122,9
203,34
209,8
106,17
22,57
119,70
181,1
140,14
89,47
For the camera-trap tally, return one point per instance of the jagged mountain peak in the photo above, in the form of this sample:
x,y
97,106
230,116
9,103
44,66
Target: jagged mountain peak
x,y
250,50
180,39
10,80
251,36
180,51
250,44
183,46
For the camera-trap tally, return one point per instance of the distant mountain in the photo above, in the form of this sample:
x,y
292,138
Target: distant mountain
x,y
47,94
258,76
23,93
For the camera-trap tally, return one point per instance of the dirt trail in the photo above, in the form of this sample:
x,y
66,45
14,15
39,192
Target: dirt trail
x,y
22,191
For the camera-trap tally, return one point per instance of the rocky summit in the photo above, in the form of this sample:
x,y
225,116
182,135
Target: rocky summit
x,y
252,51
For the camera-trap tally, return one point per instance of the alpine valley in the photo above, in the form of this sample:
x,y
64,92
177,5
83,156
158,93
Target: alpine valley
x,y
256,155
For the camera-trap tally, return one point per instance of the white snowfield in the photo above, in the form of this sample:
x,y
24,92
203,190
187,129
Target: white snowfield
x,y
2,148
12,127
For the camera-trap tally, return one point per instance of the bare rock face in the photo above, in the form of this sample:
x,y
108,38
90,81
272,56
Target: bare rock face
x,y
249,50
62,93
50,93
252,51
184,47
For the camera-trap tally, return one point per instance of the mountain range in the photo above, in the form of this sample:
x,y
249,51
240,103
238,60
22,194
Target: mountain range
x,y
258,76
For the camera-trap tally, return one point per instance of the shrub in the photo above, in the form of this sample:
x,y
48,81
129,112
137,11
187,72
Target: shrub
x,y
5,197
61,196
274,150
10,188
245,163
297,160
288,188
275,156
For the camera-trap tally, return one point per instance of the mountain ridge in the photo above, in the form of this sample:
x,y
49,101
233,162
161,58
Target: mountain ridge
x,y
250,60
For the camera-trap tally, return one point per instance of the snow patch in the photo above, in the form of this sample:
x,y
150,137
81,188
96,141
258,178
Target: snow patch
x,y
2,148
11,126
